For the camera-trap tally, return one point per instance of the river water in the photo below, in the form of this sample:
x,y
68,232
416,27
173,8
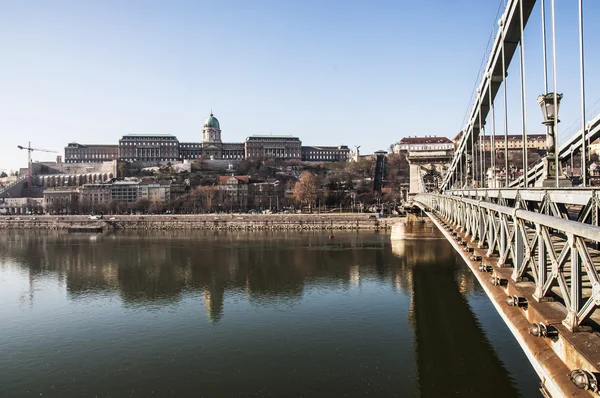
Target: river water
x,y
222,314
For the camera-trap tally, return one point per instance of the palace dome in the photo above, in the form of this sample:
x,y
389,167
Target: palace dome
x,y
212,122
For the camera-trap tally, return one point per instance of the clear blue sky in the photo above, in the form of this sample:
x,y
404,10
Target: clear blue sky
x,y
331,72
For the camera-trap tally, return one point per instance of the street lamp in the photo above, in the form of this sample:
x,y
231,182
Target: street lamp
x,y
550,104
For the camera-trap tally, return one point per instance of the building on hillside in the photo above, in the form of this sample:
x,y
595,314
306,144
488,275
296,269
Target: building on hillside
x,y
326,153
18,206
234,191
90,153
426,143
233,151
265,195
515,142
95,194
148,148
154,149
212,145
190,150
127,192
595,147
285,147
61,201
156,191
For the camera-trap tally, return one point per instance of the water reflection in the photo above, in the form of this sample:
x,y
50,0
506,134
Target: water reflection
x,y
281,314
159,268
454,356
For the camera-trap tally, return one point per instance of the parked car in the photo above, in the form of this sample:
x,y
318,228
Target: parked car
x,y
95,217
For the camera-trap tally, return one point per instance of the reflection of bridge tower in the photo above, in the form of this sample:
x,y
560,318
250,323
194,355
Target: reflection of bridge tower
x,y
422,162
355,275
213,302
449,342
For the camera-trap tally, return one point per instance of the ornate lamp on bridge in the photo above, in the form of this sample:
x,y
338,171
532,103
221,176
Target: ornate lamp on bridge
x,y
550,103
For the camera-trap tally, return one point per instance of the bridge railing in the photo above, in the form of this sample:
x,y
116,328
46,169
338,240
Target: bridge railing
x,y
553,250
571,147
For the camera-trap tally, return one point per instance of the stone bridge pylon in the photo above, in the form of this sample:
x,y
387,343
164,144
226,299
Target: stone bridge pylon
x,y
429,163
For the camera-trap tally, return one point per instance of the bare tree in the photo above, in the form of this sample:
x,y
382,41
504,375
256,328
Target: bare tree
x,y
156,206
205,197
142,205
305,190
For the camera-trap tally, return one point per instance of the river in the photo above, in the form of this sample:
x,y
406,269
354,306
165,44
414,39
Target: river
x,y
223,314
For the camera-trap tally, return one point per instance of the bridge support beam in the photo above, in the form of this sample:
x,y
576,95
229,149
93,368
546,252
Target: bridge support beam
x,y
572,321
503,237
542,269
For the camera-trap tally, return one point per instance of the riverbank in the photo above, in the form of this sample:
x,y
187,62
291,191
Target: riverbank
x,y
344,221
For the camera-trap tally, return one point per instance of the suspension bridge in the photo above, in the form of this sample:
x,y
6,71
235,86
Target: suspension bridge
x,y
533,237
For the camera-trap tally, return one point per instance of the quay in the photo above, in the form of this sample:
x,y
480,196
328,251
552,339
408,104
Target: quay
x,y
248,222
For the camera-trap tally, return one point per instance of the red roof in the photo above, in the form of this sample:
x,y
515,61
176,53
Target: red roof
x,y
224,179
425,140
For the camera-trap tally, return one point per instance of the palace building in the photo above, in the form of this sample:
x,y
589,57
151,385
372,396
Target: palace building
x,y
154,149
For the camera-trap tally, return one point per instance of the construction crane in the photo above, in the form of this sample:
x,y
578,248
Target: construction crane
x,y
2,187
29,149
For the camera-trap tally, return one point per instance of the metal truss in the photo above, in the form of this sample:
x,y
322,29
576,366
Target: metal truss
x,y
577,204
546,245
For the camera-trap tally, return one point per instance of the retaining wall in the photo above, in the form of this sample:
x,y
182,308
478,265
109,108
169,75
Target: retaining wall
x,y
206,222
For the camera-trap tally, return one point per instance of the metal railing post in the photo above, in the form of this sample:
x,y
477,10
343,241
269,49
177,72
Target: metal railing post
x,y
572,321
542,265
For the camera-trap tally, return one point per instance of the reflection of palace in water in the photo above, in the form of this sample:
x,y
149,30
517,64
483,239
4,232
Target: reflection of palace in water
x,y
158,269
161,268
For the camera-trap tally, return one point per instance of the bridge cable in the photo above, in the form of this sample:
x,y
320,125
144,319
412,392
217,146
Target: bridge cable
x,y
544,47
474,149
493,135
482,132
555,91
505,99
471,157
584,152
523,95
461,172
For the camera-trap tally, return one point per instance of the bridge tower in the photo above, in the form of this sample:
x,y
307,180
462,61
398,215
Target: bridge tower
x,y
422,161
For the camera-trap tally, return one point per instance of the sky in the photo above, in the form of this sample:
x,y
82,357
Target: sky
x,y
331,72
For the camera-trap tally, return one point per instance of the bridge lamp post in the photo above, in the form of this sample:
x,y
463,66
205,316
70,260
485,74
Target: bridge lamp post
x,y
550,104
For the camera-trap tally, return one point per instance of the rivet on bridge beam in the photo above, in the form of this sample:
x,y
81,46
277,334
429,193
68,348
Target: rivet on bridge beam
x,y
515,301
584,380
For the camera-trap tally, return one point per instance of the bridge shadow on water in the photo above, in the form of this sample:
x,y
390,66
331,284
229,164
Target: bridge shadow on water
x,y
454,356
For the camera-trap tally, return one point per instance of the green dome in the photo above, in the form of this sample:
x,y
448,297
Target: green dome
x,y
212,122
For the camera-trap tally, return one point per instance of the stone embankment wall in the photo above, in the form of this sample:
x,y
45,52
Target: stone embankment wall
x,y
206,221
